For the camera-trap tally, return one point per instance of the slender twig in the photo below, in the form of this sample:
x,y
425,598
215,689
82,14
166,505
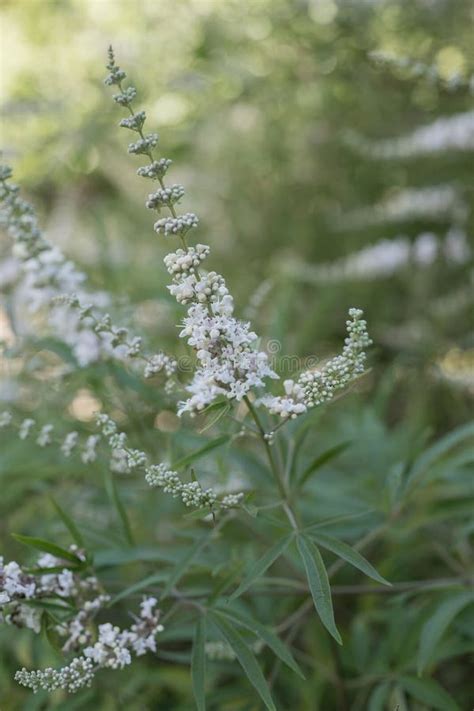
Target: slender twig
x,y
340,687
406,586
273,466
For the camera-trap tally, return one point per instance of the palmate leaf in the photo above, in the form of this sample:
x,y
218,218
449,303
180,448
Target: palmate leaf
x,y
347,553
198,664
436,626
318,584
245,656
265,634
429,692
46,547
262,564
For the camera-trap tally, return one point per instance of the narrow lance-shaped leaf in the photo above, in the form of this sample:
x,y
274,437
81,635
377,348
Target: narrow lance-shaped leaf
x,y
261,565
113,494
69,523
429,692
379,697
198,664
222,409
318,584
140,585
208,447
438,450
349,554
47,547
183,564
265,634
322,459
246,658
438,623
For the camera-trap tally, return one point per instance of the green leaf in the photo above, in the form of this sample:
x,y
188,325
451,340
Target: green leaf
x,y
438,450
69,523
438,623
429,692
140,585
47,547
113,494
344,551
265,634
222,409
183,564
208,447
318,584
198,664
379,696
261,565
246,658
202,512
322,459
62,606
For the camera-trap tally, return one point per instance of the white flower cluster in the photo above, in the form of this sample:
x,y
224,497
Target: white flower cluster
x,y
71,678
450,133
16,587
315,387
191,493
160,475
25,428
164,197
228,363
289,405
387,257
44,437
429,72
157,169
321,385
160,362
437,202
46,271
5,419
176,225
119,339
69,444
19,591
144,145
204,288
52,281
113,650
186,261
89,453
135,122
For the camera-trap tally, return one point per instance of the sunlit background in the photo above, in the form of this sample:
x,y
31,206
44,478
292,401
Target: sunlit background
x,y
327,148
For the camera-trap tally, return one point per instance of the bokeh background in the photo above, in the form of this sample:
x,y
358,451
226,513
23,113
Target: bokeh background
x,y
327,148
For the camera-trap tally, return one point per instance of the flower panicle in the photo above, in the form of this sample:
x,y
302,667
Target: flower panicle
x,y
228,363
163,197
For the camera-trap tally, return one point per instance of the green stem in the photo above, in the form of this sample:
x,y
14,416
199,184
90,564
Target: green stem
x,y
273,466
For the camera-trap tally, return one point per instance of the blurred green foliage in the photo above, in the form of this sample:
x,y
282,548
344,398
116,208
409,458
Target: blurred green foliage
x,y
254,102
